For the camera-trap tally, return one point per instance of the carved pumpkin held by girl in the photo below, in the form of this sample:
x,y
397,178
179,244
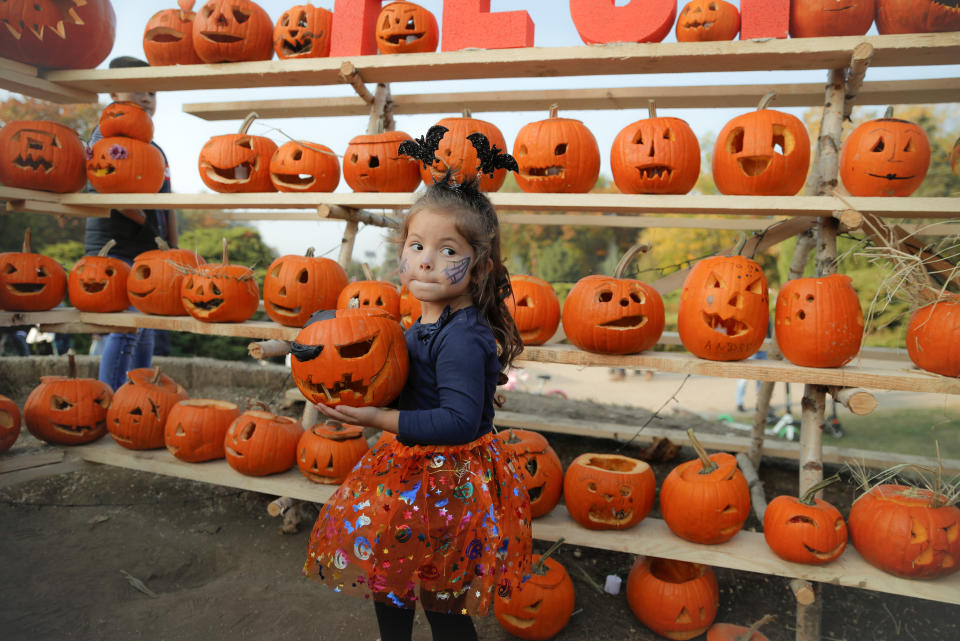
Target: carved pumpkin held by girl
x,y
438,515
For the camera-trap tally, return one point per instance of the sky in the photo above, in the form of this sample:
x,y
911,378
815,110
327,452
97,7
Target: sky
x,y
182,135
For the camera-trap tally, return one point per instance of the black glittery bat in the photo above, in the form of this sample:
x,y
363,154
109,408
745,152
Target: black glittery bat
x,y
424,147
491,158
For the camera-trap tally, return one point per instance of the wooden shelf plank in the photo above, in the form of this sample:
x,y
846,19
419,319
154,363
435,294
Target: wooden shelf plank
x,y
631,58
28,84
248,329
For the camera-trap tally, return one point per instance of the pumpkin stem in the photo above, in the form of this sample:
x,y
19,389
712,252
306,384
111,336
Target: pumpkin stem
x,y
706,465
26,241
554,110
156,376
766,100
466,113
253,115
652,108
756,625
808,496
639,248
513,438
741,243
71,364
161,243
186,5
225,255
310,252
889,112
106,248
540,567
367,272
256,402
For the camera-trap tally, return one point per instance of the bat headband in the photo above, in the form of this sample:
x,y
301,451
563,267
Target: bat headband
x,y
491,158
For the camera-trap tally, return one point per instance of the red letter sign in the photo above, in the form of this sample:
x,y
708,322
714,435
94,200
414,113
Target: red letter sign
x,y
354,31
764,19
600,21
469,23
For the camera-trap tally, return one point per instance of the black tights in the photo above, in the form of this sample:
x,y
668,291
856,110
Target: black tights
x,y
396,624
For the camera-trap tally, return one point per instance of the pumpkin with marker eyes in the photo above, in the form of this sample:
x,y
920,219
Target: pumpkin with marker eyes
x,y
543,607
220,292
196,429
806,529
885,157
457,154
140,408
917,16
676,599
303,31
535,308
373,163
297,286
153,285
707,21
371,294
168,37
67,410
232,31
126,119
299,166
815,18
121,165
354,357
405,27
608,491
328,451
556,155
9,423
99,283
818,321
259,443
58,34
539,465
238,163
30,282
410,308
38,154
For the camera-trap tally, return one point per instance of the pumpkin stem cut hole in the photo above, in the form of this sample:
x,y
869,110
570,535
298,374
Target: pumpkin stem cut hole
x,y
614,463
670,571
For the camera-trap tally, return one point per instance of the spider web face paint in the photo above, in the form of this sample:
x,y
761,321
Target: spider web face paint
x,y
456,272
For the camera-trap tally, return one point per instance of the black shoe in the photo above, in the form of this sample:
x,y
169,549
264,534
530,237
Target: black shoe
x,y
740,408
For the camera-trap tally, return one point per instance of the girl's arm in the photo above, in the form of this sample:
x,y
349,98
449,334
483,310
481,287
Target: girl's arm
x,y
381,419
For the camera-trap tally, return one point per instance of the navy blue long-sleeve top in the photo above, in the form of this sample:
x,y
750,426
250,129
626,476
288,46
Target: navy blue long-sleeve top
x,y
448,397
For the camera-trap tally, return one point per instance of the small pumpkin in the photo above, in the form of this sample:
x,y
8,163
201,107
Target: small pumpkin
x,y
44,155
9,423
818,321
128,119
232,31
655,156
67,410
816,18
544,605
220,292
406,27
328,451
885,157
196,428
556,155
56,34
539,465
30,282
733,632
705,500
99,283
303,31
297,286
235,163
155,279
298,166
259,443
675,599
917,16
365,294
456,153
119,165
410,309
535,308
372,163
707,21
931,337
168,37
807,529
608,491
140,407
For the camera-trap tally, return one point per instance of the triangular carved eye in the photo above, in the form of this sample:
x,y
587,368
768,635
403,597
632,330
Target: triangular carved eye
x,y
683,617
276,271
715,282
526,301
736,300
755,287
302,22
909,146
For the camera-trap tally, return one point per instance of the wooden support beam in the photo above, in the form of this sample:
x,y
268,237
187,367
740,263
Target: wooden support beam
x,y
268,349
858,401
862,55
803,591
758,501
350,75
335,212
346,243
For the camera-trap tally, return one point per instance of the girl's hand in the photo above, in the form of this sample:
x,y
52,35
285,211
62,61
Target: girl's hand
x,y
380,419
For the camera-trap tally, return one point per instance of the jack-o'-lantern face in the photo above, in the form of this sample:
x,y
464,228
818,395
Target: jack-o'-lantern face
x,y
405,27
705,506
373,163
168,37
220,293
30,282
543,607
297,286
260,443
99,284
912,16
675,599
41,155
329,450
155,279
235,163
885,157
304,166
818,321
140,408
352,357
68,411
303,31
815,18
535,308
707,20
656,156
127,119
802,532
613,315
62,34
232,31
371,294
540,467
196,429
556,155
121,165
608,491
9,423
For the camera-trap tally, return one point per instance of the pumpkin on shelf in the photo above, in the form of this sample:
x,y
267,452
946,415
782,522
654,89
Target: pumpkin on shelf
x,y
9,423
120,165
354,357
675,599
371,294
168,37
196,428
762,153
220,292
43,155
544,606
238,163
608,491
885,157
303,31
655,156
328,451
931,337
406,27
66,410
259,442
819,18
708,21
614,315
410,309
818,321
917,16
372,163
705,500
297,286
140,407
535,308
232,31
456,153
156,277
58,35
807,529
99,283
298,166
30,282
724,308
556,155
126,119
540,468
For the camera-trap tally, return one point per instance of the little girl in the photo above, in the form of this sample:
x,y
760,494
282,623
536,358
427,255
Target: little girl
x,y
438,514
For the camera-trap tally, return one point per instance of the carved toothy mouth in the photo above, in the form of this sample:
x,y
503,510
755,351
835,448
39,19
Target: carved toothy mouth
x,y
26,288
75,430
203,307
626,322
543,172
33,163
699,24
101,170
294,181
609,516
728,326
231,175
220,38
93,287
346,390
39,30
890,176
753,165
297,48
397,38
655,172
164,35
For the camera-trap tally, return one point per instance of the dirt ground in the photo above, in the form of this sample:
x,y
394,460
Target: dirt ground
x,y
106,553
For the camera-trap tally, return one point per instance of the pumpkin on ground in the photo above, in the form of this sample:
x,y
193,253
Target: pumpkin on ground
x,y
303,31
259,442
196,428
140,407
372,162
608,491
410,309
539,465
456,153
237,163
327,451
543,607
556,155
931,337
675,599
120,165
9,423
298,166
67,410
733,632
30,282
297,286
806,529
371,294
818,321
60,35
168,37
126,119
885,157
817,18
156,277
220,292
99,283
406,27
44,155
232,31
917,16
535,308
707,21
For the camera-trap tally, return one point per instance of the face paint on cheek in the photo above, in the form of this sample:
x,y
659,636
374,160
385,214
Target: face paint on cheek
x,y
456,272
402,267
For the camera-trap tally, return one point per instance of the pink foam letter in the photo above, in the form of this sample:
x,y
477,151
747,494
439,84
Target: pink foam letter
x,y
354,29
764,19
600,21
469,23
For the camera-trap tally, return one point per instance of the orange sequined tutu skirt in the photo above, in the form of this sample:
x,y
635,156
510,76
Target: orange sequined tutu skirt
x,y
448,525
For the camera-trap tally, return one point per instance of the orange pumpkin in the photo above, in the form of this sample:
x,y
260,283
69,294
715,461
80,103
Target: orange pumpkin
x,y
410,310
156,276
67,410
539,465
708,20
655,156
120,165
457,154
328,451
543,607
724,308
232,31
259,443
762,153
127,119
405,27
556,155
815,18
99,283
220,292
931,337
806,529
535,308
9,423
239,162
885,157
373,163
608,491
44,155
30,282
365,294
917,16
297,286
168,37
818,321
733,632
675,599
60,35
196,428
303,31
299,166
140,408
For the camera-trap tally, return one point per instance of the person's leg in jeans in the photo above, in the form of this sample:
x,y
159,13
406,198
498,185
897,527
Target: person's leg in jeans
x,y
123,352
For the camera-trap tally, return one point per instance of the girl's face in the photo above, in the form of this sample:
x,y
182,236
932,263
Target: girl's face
x,y
435,263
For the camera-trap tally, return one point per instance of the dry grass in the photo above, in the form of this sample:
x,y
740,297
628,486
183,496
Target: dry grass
x,y
943,491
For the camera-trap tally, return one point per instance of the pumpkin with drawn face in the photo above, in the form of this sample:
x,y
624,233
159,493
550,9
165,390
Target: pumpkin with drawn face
x,y
608,491
371,294
299,166
917,16
543,607
815,18
410,308
707,21
168,37
297,286
405,27
806,529
235,163
38,154
818,321
30,282
232,31
540,466
139,410
535,308
220,292
59,34
196,429
67,410
9,423
457,154
127,119
676,599
153,285
373,163
354,357
556,155
655,156
120,165
99,283
328,451
303,31
885,157
259,442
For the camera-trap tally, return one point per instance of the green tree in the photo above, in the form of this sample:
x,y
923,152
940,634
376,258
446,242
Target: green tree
x,y
244,246
82,118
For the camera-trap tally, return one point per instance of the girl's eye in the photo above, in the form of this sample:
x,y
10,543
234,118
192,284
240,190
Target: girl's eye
x,y
447,251
416,245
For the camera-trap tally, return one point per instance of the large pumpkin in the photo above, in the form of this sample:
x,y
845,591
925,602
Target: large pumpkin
x,y
44,155
885,157
168,37
259,443
297,286
540,466
535,308
156,276
196,428
232,31
125,118
556,155
762,153
405,27
303,31
906,531
707,21
99,283
371,294
328,451
9,423
675,599
67,410
724,308
74,34
806,529
299,166
120,165
220,292
544,605
372,162
932,337
818,321
352,357
234,163
140,408
917,16
30,282
813,18
457,154
608,491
